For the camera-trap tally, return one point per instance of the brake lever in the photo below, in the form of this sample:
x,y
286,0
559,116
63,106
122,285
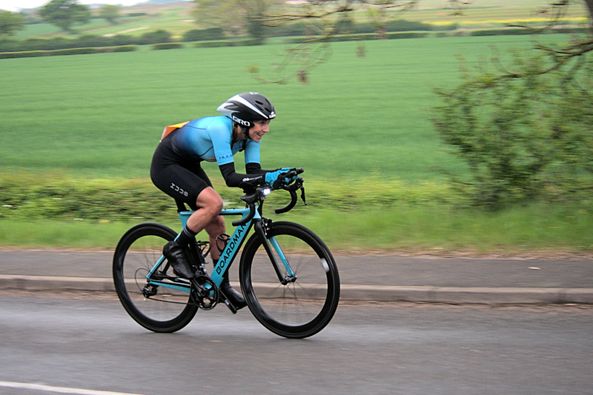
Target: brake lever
x,y
303,195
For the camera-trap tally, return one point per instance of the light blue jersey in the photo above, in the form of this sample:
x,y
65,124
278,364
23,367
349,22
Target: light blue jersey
x,y
210,139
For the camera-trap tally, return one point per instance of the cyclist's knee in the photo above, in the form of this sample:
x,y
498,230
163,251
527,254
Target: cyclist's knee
x,y
210,201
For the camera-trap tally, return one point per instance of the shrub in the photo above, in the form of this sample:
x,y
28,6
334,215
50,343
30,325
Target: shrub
x,y
92,41
66,51
167,46
358,37
34,196
406,35
122,39
292,29
523,138
499,32
214,33
124,48
21,54
224,43
33,44
86,41
159,36
9,45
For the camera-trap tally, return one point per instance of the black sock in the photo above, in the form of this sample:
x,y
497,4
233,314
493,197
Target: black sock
x,y
186,236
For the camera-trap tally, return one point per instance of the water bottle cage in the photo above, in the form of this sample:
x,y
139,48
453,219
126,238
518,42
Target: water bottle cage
x,y
221,241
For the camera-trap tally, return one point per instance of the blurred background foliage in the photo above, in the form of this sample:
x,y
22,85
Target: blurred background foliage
x,y
509,144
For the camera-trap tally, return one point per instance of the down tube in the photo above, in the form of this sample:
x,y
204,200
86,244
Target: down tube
x,y
230,252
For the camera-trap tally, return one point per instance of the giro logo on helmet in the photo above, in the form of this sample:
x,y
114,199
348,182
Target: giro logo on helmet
x,y
240,121
247,108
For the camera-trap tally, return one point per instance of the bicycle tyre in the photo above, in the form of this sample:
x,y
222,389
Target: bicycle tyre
x,y
137,251
298,309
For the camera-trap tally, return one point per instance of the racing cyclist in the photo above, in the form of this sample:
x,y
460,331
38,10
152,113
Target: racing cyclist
x,y
176,170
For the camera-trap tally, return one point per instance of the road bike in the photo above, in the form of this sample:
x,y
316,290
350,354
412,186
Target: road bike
x,y
287,274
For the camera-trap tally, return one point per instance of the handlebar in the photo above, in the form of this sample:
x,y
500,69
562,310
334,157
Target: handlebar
x,y
263,191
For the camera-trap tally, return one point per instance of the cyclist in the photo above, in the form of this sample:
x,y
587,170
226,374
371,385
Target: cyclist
x,y
176,170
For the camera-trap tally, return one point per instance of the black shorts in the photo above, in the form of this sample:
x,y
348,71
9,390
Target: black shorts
x,y
181,178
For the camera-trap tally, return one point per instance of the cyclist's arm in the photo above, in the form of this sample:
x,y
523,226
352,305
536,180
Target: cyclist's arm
x,y
224,157
220,137
234,179
252,159
254,168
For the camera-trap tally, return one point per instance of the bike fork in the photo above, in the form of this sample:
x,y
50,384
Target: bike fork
x,y
283,270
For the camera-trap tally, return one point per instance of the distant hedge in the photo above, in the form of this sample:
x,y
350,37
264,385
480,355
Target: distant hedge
x,y
225,43
214,33
211,37
87,41
524,31
400,25
502,32
298,32
167,46
359,37
67,51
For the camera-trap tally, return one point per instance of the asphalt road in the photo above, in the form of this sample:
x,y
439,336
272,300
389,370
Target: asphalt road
x,y
52,343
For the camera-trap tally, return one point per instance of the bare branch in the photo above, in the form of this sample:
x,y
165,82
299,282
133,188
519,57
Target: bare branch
x,y
324,9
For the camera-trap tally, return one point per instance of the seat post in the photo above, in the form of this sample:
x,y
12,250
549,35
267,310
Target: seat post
x,y
180,205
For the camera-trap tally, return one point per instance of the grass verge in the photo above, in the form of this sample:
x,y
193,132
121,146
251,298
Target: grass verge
x,y
435,230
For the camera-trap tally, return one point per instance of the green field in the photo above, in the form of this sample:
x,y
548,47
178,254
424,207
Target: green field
x,y
359,120
102,115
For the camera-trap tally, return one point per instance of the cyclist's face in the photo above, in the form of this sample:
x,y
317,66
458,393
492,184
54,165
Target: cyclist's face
x,y
259,129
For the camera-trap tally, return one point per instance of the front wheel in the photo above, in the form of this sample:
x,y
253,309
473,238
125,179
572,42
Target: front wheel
x,y
162,304
298,296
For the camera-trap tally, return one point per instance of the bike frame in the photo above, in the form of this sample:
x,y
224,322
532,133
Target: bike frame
x,y
285,272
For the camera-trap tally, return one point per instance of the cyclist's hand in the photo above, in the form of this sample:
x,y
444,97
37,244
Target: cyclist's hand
x,y
289,179
277,178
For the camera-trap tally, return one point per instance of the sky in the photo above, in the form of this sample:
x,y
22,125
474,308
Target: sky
x,y
16,5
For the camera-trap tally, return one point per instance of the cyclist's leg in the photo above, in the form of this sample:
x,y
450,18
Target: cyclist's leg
x,y
209,204
210,199
171,175
215,228
208,217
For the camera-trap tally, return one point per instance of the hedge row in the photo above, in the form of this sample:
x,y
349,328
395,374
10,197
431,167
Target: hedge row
x,y
68,51
226,43
210,34
167,46
348,27
213,33
207,44
215,37
29,196
124,48
358,37
522,31
88,41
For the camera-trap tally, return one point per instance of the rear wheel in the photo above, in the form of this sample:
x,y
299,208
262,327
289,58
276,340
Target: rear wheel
x,y
155,307
304,299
